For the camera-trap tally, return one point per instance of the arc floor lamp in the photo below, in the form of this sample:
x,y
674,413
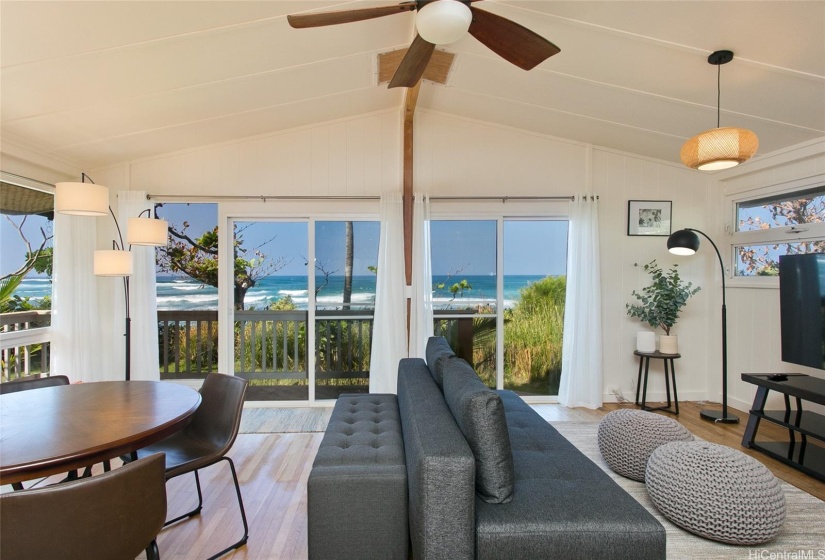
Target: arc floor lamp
x,y
686,242
89,199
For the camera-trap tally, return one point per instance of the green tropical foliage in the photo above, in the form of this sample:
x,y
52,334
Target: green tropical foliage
x,y
660,303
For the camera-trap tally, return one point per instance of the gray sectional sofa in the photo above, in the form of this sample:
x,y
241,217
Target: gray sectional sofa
x,y
486,477
562,505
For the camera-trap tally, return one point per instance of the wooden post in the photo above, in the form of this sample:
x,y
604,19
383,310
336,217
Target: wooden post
x,y
409,117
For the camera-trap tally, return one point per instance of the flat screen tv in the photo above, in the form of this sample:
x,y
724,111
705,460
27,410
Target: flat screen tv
x,y
802,309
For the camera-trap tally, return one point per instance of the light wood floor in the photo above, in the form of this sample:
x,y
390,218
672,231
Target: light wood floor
x,y
273,469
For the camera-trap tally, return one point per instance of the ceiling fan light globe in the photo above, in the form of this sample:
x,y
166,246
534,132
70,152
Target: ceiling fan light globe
x,y
719,148
443,22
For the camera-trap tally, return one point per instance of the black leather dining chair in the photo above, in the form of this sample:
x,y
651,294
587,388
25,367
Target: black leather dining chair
x,y
112,516
27,384
206,440
32,383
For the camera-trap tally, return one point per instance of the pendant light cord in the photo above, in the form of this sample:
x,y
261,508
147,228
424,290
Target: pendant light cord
x,y
718,92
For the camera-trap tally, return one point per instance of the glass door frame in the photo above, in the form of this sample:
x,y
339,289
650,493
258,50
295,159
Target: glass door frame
x,y
501,211
278,210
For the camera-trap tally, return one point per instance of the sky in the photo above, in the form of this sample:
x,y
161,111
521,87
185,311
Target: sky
x,y
531,247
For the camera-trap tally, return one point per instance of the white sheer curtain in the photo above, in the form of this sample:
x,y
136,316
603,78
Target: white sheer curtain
x,y
389,339
76,332
143,296
581,366
421,305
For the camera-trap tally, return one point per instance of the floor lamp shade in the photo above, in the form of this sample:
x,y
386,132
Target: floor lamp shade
x,y
147,231
683,242
81,199
113,262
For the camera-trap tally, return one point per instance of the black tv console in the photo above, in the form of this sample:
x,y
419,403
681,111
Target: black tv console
x,y
809,459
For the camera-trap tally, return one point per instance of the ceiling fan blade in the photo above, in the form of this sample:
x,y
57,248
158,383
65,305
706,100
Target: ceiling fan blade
x,y
300,21
511,41
413,64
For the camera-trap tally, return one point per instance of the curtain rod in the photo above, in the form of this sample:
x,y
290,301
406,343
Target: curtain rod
x,y
264,198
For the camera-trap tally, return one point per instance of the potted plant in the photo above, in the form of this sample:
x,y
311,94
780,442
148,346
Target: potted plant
x,y
660,303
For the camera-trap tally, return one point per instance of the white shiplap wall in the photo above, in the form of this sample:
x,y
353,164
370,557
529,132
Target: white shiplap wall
x,y
353,157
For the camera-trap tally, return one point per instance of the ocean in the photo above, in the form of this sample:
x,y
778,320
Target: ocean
x,y
179,293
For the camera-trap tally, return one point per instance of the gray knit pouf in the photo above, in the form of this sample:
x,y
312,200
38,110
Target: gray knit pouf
x,y
716,492
627,437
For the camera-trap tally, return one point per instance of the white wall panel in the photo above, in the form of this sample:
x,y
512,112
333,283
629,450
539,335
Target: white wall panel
x,y
460,157
618,178
359,156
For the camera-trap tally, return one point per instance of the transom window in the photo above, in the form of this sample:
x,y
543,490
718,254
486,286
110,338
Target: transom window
x,y
784,224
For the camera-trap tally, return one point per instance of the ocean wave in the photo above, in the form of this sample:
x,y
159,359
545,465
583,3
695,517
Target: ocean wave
x,y
180,299
293,293
182,287
339,298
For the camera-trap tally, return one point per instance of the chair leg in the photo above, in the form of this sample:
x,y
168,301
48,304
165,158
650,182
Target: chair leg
x,y
195,511
152,552
245,537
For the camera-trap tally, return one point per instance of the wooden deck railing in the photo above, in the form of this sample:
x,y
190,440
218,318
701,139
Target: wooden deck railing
x,y
25,342
188,344
267,344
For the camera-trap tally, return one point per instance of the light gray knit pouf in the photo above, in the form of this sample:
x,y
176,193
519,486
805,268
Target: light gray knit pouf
x,y
716,492
627,437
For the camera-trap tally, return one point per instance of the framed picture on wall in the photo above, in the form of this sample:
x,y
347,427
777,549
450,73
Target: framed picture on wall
x,y
648,217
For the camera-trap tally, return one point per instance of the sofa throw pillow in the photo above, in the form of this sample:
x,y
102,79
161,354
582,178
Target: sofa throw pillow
x,y
479,413
438,354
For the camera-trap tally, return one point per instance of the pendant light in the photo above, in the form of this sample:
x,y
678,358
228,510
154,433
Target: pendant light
x,y
719,148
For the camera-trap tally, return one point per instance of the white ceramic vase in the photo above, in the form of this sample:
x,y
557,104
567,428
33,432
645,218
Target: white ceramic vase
x,y
645,341
669,344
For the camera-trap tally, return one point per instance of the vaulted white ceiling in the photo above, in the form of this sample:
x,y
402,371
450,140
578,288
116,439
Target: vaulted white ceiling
x,y
94,83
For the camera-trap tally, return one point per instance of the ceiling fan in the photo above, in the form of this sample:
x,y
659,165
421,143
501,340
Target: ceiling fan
x,y
442,22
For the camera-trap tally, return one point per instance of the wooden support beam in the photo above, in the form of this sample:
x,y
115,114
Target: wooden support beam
x,y
409,117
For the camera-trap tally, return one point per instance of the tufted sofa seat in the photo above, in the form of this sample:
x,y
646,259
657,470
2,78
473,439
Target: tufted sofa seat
x,y
357,489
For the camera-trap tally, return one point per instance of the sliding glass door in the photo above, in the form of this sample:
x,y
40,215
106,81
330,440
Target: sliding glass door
x,y
499,290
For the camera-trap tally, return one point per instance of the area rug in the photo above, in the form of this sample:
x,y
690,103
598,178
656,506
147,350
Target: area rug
x,y
274,420
802,535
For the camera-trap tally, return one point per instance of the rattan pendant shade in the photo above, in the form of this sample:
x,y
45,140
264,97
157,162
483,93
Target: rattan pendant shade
x,y
720,147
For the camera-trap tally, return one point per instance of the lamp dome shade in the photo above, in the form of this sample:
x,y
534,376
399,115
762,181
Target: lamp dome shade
x,y
81,199
443,21
147,231
719,148
113,262
683,242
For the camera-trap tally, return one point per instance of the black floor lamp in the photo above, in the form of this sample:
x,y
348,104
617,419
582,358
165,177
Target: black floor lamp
x,y
90,199
686,242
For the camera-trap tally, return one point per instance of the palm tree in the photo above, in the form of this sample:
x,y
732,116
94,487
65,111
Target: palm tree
x,y
348,265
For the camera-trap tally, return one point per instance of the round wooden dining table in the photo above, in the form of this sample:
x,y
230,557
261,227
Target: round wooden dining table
x,y
53,430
